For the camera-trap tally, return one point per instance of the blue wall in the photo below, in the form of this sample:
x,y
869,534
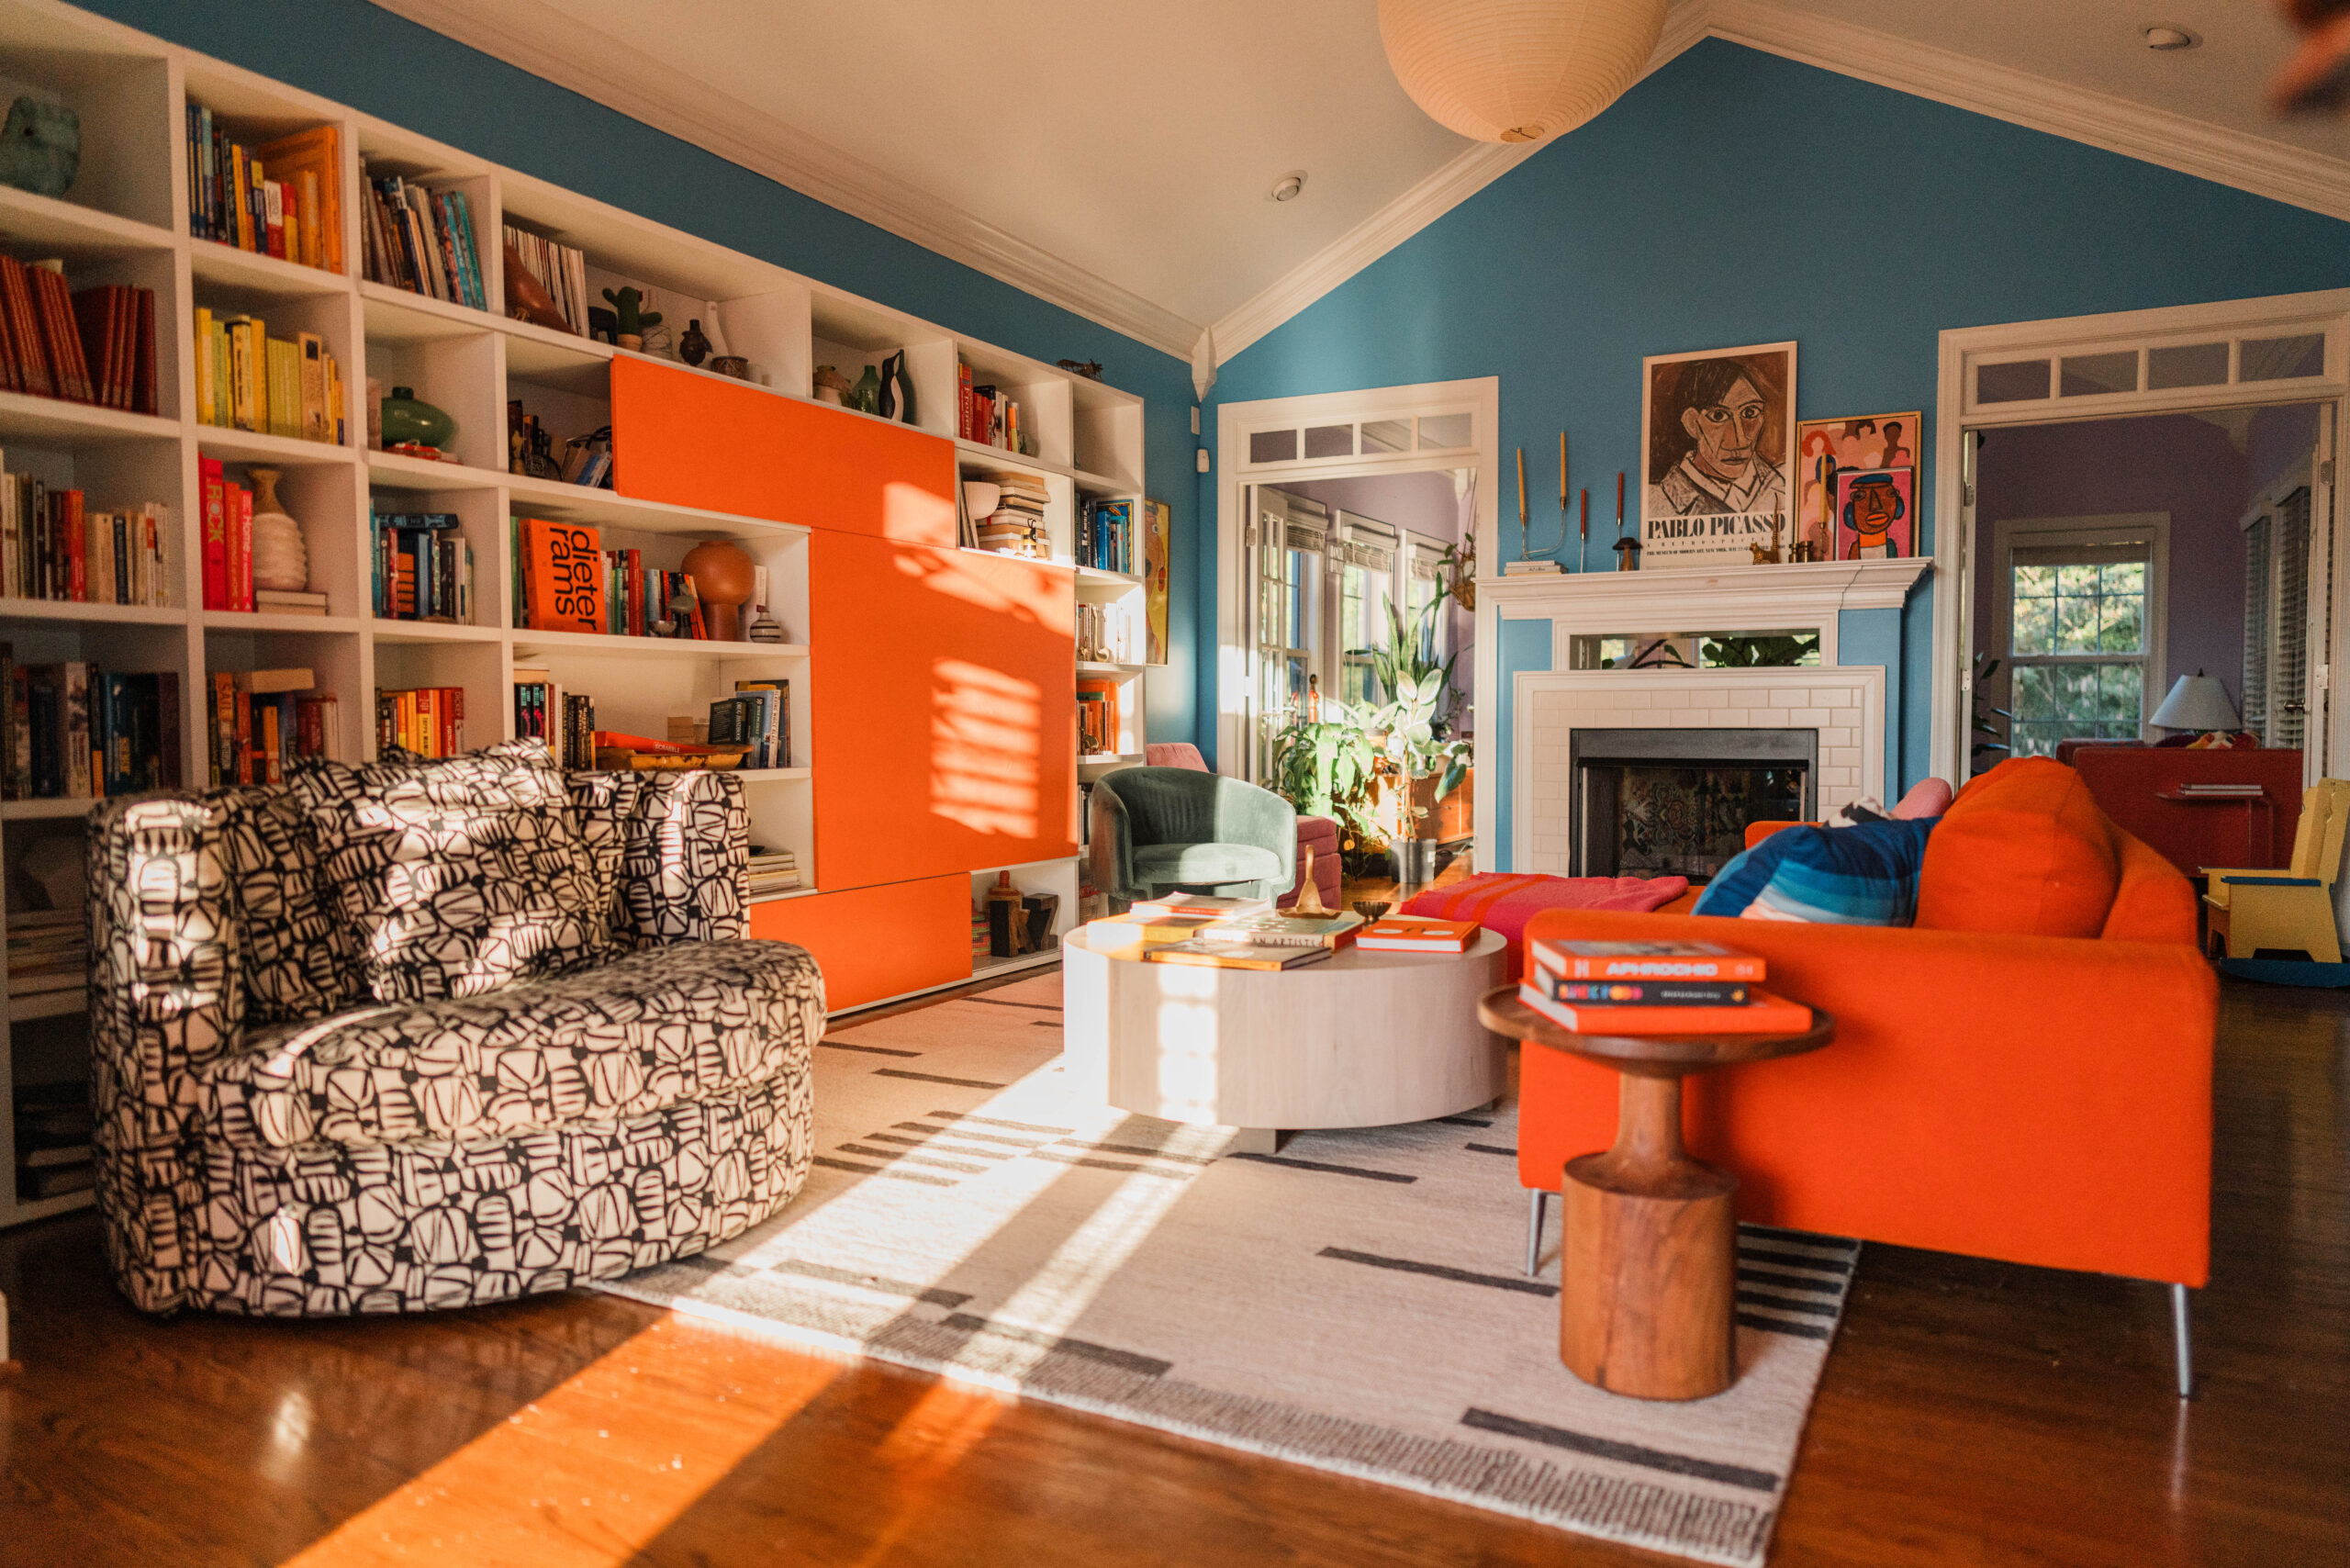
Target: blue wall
x,y
377,62
1738,197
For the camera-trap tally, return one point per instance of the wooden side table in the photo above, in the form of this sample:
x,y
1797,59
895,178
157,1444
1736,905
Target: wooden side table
x,y
1648,1264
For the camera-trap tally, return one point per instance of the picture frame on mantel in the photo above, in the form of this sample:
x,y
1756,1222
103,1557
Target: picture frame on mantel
x,y
1824,448
1718,453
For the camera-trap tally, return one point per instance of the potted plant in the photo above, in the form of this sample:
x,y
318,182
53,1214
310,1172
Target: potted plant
x,y
1412,732
1324,767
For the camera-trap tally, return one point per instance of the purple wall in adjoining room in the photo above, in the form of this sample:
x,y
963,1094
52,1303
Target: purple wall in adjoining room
x,y
2164,463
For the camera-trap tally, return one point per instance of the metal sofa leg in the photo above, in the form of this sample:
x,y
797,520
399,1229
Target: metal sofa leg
x,y
1534,1231
2183,1338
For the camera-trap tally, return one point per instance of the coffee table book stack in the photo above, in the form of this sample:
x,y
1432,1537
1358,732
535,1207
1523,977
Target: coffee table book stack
x,y
1654,988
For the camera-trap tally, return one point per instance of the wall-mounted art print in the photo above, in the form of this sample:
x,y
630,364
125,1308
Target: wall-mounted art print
x,y
1825,447
1717,435
1155,544
1876,514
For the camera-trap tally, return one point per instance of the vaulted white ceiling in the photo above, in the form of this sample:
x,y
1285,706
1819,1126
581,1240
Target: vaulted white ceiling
x,y
1114,156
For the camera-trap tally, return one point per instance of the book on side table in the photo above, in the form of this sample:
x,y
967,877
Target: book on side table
x,y
1655,988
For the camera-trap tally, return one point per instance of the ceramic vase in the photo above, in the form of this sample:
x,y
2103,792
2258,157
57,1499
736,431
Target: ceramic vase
x,y
897,389
723,576
281,555
693,348
407,418
40,146
763,628
865,395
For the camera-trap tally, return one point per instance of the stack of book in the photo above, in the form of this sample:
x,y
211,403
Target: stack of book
x,y
772,871
759,717
1017,525
53,1127
562,582
1097,718
48,952
560,270
228,567
1107,539
98,346
565,720
282,198
264,720
247,380
422,241
1654,988
77,733
52,547
429,721
1105,634
984,413
424,566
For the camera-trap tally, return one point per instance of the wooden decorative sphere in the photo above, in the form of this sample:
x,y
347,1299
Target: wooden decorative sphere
x,y
722,575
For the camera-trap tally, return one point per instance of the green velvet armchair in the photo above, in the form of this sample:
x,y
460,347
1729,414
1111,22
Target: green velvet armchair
x,y
1158,829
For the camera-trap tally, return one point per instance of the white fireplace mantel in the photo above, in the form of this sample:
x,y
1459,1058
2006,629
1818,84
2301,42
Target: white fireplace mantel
x,y
1707,598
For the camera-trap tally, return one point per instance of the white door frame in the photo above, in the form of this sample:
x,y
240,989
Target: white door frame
x,y
1957,413
1479,397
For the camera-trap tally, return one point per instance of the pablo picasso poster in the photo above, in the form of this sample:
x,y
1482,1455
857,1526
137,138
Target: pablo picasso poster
x,y
1876,514
1716,441
1826,447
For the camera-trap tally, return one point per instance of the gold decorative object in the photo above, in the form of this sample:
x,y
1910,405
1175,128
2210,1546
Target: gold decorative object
x,y
1309,896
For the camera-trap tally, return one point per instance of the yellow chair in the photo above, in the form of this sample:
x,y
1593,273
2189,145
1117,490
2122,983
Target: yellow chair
x,y
2293,909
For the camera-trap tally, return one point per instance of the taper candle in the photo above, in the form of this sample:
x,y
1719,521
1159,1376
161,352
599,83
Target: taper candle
x,y
1521,486
1586,514
1619,500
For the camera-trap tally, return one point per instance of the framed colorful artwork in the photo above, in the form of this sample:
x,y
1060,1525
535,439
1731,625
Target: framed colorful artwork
x,y
1823,447
1155,541
1717,451
1876,514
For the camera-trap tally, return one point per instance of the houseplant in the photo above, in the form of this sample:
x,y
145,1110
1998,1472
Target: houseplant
x,y
1413,734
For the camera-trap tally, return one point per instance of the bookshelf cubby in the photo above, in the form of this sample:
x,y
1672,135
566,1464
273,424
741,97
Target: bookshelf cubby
x,y
125,220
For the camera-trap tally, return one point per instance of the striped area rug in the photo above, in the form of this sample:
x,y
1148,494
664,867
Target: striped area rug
x,y
1355,1301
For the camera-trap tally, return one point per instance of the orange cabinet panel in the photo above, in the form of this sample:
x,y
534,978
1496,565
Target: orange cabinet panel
x,y
874,943
697,440
945,713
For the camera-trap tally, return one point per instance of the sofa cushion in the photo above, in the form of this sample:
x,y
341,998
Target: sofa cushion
x,y
1163,864
652,1029
456,876
1865,874
299,959
2024,851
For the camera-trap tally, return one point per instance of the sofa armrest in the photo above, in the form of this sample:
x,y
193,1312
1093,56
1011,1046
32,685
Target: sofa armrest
x,y
1110,846
682,872
2036,1098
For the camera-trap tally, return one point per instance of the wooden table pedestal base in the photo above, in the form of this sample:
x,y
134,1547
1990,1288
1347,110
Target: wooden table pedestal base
x,y
1648,1270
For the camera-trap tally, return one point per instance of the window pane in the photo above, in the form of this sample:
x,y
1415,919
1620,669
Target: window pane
x,y
2077,701
2280,359
2035,624
2189,364
1440,432
1387,435
1330,441
2089,374
1272,446
2022,381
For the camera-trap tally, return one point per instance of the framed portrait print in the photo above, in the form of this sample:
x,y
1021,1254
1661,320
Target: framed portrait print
x,y
1824,448
1876,514
1717,453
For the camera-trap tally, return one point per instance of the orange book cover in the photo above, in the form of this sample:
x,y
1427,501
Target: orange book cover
x,y
1108,689
1414,935
1762,1015
318,153
565,576
1645,960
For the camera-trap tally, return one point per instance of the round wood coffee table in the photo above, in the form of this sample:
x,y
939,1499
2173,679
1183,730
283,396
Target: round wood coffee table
x,y
1648,1262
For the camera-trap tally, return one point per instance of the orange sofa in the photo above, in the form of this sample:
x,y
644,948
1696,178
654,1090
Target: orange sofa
x,y
2025,1074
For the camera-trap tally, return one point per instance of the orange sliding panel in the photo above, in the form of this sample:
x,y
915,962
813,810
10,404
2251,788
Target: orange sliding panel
x,y
698,441
874,943
944,709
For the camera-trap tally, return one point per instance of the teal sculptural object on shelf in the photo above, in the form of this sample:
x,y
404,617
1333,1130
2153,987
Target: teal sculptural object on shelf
x,y
409,421
628,307
865,395
40,146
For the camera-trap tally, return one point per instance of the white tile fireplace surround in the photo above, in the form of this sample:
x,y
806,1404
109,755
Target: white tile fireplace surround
x,y
1844,705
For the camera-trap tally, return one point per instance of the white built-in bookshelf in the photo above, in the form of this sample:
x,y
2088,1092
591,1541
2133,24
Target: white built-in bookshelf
x,y
124,221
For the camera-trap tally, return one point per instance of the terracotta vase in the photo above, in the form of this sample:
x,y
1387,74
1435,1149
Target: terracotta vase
x,y
722,575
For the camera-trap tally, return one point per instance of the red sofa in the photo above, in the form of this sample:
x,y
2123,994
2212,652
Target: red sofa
x,y
2025,1074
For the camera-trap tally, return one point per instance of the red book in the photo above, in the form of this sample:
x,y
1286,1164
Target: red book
x,y
240,547
1645,960
93,322
216,533
963,401
635,578
24,329
142,353
1763,1015
11,379
1412,935
60,336
77,550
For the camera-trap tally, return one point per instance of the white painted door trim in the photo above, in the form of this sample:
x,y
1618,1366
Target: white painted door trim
x,y
1961,348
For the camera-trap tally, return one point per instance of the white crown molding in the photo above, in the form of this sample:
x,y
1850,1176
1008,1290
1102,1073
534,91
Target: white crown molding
x,y
2248,162
1736,596
672,101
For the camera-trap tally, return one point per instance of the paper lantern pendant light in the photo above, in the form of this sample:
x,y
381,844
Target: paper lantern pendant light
x,y
1517,70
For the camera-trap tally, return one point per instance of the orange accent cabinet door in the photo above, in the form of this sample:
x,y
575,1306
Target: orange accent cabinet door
x,y
696,440
944,709
874,943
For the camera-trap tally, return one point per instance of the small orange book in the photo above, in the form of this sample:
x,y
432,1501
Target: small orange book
x,y
1762,1015
565,582
1645,960
1409,936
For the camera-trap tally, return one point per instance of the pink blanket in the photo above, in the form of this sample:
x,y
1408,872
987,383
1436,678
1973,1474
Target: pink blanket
x,y
1504,901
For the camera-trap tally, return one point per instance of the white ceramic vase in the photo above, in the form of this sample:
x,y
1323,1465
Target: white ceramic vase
x,y
281,555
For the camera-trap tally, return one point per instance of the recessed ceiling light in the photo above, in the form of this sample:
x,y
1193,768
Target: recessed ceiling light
x,y
2170,36
1287,188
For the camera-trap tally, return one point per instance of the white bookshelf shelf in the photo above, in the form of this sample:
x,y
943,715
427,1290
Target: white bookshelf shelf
x,y
277,450
1095,577
255,620
605,645
384,631
250,271
25,418
65,227
774,775
48,1003
67,610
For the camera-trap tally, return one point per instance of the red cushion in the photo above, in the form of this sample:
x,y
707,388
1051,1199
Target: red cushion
x,y
2024,851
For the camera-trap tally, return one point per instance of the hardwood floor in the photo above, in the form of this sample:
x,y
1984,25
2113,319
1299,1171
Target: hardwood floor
x,y
1972,1412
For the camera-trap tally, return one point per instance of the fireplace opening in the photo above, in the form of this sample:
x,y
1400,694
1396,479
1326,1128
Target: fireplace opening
x,y
1677,803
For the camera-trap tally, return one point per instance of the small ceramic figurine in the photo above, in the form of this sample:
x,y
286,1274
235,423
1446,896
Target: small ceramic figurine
x,y
628,305
831,386
693,348
897,389
281,555
40,146
527,298
763,628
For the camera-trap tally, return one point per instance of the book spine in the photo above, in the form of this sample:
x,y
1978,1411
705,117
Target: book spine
x,y
240,549
216,534
77,731
168,719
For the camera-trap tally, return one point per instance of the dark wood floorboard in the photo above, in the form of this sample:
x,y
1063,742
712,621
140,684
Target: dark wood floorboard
x,y
1973,1413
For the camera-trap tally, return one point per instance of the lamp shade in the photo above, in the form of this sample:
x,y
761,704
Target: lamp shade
x,y
1517,70
2197,702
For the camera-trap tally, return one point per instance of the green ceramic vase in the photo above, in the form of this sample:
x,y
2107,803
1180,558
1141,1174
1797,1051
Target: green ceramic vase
x,y
407,418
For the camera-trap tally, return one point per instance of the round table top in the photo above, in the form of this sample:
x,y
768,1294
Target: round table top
x,y
1650,1055
1350,957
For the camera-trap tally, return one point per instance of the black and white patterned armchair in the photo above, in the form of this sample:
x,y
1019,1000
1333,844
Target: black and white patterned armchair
x,y
274,1139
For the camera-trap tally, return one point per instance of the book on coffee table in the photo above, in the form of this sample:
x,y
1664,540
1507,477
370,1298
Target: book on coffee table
x,y
1285,930
1201,903
1417,934
1123,933
1207,955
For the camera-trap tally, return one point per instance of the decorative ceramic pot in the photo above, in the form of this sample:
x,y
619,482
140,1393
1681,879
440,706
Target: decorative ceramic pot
x,y
40,146
693,348
865,395
281,555
831,386
407,419
1412,861
633,341
763,628
897,389
722,575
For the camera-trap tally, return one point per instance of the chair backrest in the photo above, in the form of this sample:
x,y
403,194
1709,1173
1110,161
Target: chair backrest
x,y
2317,842
1177,805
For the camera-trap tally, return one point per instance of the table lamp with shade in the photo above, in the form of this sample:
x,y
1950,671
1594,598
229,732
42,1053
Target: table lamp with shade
x,y
2196,703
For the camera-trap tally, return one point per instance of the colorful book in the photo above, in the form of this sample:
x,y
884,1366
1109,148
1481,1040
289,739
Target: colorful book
x,y
1407,933
563,576
1126,932
1640,993
1645,960
1201,903
1762,1015
1286,930
1200,954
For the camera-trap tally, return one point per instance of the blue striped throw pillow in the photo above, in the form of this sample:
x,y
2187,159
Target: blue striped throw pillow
x,y
1865,875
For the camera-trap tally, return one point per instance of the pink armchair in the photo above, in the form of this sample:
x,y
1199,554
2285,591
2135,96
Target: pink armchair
x,y
1318,835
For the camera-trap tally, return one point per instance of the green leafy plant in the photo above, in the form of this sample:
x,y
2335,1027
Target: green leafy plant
x,y
1995,746
1413,729
1759,652
1325,766
627,306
